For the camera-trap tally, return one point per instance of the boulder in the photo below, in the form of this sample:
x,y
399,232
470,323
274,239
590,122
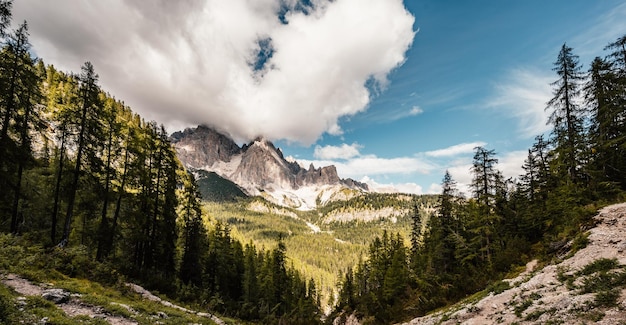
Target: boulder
x,y
58,296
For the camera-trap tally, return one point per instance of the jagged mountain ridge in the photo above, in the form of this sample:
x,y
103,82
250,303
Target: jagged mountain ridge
x,y
259,168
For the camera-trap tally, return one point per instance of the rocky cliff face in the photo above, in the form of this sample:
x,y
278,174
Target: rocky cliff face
x,y
203,146
258,167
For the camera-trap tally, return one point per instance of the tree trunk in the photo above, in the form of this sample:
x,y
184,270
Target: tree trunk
x,y
57,190
74,188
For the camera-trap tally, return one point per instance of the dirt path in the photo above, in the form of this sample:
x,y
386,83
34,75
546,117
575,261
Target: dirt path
x,y
145,294
73,306
538,296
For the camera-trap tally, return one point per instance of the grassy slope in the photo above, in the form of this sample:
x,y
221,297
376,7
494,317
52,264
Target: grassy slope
x,y
69,269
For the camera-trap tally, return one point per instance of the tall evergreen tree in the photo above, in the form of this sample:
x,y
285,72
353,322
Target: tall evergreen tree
x,y
89,102
193,234
28,118
567,116
5,16
485,176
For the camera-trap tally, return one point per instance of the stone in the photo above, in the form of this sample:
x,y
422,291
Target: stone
x,y
58,296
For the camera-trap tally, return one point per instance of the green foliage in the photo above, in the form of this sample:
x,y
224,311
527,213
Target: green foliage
x,y
8,310
599,265
607,298
525,304
215,188
108,200
498,287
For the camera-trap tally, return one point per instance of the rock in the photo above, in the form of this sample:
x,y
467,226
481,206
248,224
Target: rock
x,y
58,296
21,301
255,167
162,315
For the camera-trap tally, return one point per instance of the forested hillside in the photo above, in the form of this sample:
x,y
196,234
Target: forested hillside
x,y
84,177
317,247
471,242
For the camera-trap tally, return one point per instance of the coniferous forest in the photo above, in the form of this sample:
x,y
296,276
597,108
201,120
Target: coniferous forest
x,y
101,190
101,193
471,242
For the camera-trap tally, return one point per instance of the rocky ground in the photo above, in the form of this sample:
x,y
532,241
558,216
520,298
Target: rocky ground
x,y
562,293
73,306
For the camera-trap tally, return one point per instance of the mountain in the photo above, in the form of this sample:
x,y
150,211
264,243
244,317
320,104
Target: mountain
x,y
259,168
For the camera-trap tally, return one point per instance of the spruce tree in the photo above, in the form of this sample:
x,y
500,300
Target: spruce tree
x,y
567,116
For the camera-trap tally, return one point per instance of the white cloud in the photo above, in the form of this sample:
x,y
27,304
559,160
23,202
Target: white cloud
x,y
416,110
434,188
189,62
607,29
462,176
458,149
345,151
523,95
410,188
511,163
371,165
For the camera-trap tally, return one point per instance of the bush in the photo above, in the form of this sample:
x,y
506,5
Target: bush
x,y
599,265
498,287
607,298
7,307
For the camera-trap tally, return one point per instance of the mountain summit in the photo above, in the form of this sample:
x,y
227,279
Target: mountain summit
x,y
260,168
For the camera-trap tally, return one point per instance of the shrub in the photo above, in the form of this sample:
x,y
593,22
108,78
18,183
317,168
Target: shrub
x,y
599,265
607,298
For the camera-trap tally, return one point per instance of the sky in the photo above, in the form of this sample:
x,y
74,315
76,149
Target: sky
x,y
392,92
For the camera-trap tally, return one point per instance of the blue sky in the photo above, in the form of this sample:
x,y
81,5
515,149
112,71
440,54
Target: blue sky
x,y
392,92
478,73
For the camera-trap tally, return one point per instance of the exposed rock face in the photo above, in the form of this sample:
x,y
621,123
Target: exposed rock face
x,y
256,167
203,146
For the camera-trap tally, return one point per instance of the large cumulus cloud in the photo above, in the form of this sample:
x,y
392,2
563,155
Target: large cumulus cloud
x,y
282,69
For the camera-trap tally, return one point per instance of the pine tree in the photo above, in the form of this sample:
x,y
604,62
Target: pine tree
x,y
5,16
416,230
193,234
112,128
567,116
89,102
19,104
605,94
485,176
449,224
484,222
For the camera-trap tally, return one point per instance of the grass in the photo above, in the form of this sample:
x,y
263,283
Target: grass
x,y
69,269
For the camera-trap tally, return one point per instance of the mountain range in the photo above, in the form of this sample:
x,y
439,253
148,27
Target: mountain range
x,y
258,168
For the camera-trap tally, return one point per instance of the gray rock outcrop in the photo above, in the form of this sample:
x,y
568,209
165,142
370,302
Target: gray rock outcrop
x,y
256,166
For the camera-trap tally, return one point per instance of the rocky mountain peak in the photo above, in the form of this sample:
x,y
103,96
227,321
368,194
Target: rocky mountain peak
x,y
203,146
256,167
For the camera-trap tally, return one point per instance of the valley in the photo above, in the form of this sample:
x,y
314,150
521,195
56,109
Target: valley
x,y
320,244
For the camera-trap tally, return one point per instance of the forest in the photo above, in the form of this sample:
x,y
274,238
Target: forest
x,y
102,192
472,242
